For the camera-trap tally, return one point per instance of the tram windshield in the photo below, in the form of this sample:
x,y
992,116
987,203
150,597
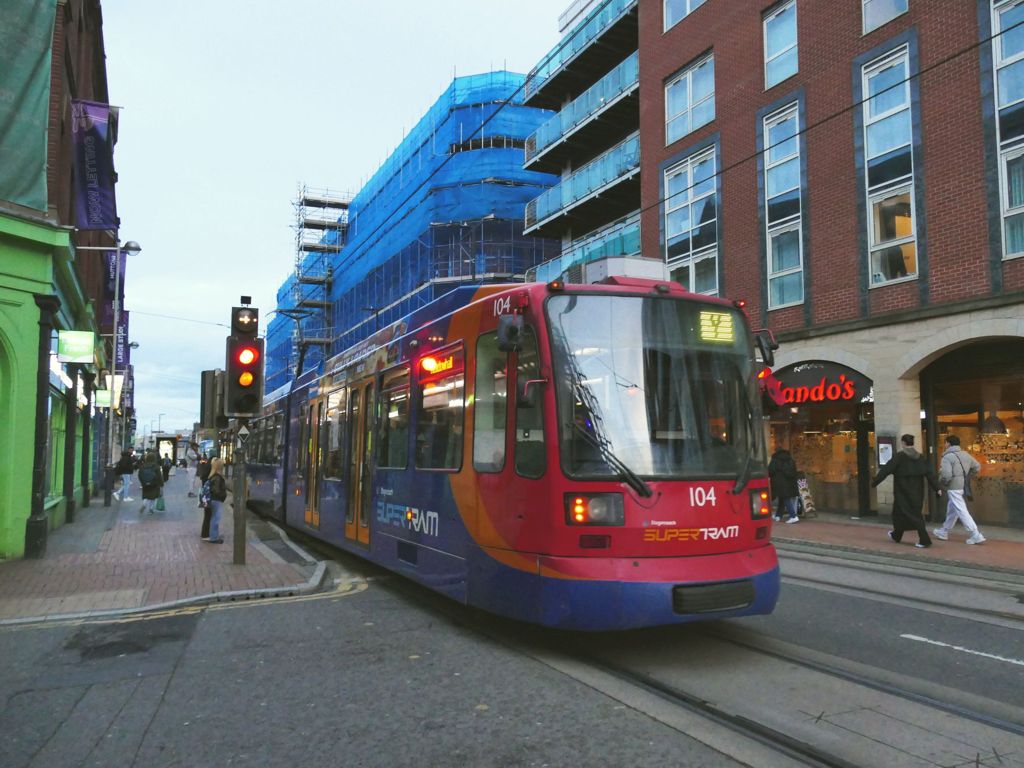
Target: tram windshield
x,y
663,386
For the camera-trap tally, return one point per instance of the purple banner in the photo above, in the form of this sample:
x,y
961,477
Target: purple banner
x,y
128,398
109,290
95,206
122,354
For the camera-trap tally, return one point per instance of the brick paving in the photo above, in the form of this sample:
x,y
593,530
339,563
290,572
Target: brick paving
x,y
114,558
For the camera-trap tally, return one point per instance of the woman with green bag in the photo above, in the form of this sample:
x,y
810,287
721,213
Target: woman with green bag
x,y
152,481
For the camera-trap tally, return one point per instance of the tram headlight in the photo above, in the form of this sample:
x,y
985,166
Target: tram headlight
x,y
760,503
594,509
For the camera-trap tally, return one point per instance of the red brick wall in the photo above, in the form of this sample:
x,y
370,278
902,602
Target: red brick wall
x,y
829,39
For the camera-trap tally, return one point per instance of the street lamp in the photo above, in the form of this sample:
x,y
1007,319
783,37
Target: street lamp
x,y
131,247
159,418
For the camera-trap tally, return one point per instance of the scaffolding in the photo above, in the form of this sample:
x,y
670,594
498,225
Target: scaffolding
x,y
445,209
321,227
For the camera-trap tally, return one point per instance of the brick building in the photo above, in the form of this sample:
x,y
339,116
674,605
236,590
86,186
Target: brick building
x,y
855,171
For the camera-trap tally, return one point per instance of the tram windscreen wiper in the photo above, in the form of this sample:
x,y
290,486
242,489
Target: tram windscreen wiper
x,y
632,478
748,460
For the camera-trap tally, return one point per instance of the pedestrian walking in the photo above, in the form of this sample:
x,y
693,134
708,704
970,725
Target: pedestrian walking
x,y
218,492
125,468
165,467
955,472
909,470
152,482
782,474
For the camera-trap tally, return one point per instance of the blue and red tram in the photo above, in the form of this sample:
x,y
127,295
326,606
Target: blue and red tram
x,y
578,456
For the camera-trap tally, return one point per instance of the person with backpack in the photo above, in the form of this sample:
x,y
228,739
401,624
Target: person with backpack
x,y
955,474
151,479
782,476
216,490
203,474
125,468
910,470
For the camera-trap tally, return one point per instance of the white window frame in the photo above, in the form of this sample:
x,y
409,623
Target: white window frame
x,y
864,17
782,7
1013,148
687,75
1004,197
709,251
774,229
895,186
689,5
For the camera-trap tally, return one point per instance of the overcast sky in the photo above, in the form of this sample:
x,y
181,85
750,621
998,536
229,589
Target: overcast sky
x,y
228,106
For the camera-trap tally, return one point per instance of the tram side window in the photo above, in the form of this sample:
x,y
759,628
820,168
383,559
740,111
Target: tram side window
x,y
490,405
275,436
530,455
332,438
302,449
255,441
440,424
392,447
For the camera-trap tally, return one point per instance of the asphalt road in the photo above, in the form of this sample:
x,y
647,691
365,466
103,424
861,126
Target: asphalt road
x,y
367,679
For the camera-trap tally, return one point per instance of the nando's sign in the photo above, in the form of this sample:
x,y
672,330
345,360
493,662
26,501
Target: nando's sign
x,y
822,382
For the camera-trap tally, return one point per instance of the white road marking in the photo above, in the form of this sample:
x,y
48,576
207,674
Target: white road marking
x,y
919,639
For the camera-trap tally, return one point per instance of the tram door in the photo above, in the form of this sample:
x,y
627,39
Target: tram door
x,y
360,494
313,455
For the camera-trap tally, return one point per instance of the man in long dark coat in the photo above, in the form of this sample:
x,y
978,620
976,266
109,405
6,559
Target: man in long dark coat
x,y
910,470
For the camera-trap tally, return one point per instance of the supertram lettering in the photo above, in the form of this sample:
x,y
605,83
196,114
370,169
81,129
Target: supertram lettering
x,y
408,518
663,535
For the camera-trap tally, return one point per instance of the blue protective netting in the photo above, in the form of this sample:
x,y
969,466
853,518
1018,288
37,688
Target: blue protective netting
x,y
446,208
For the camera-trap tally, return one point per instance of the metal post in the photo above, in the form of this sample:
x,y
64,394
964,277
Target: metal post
x,y
108,485
36,526
70,426
239,498
87,440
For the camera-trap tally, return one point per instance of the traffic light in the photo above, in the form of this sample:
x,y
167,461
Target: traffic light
x,y
243,378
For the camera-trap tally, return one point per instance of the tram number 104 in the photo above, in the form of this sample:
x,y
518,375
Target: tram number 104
x,y
701,496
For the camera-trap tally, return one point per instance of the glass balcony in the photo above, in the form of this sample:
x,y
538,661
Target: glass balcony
x,y
617,162
619,240
585,33
621,79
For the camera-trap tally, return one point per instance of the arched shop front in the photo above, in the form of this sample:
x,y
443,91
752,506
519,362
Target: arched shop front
x,y
827,423
976,392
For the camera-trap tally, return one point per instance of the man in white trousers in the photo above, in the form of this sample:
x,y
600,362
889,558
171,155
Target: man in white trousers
x,y
954,470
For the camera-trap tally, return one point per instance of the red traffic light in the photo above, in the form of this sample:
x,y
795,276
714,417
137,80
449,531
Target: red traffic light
x,y
248,355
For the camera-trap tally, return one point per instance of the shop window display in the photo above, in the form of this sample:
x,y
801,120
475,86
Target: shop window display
x,y
988,417
824,442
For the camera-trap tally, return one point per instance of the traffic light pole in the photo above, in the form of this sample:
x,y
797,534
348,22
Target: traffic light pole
x,y
240,500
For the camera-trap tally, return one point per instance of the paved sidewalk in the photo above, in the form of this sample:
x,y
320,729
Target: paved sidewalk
x,y
114,559
1003,550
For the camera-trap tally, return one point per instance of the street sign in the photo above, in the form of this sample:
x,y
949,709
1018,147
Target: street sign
x,y
243,434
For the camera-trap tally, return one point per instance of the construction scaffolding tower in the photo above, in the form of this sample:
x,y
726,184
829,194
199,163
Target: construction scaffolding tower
x,y
321,228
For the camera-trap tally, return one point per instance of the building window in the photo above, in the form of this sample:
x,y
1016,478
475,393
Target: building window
x,y
676,10
1008,55
690,99
889,169
782,183
691,223
780,53
878,12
